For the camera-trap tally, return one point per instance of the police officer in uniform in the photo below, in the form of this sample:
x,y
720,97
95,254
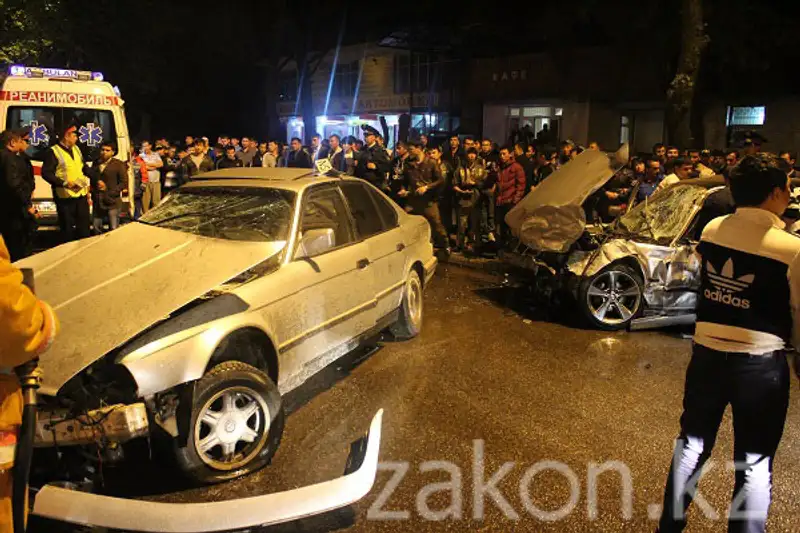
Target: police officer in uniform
x,y
63,168
373,163
748,316
17,215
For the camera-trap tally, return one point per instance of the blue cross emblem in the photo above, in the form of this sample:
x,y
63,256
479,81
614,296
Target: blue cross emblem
x,y
90,135
38,133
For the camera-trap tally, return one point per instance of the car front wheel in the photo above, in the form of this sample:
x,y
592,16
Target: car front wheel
x,y
612,298
409,324
236,424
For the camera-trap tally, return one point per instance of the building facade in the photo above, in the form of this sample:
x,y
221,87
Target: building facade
x,y
601,94
366,82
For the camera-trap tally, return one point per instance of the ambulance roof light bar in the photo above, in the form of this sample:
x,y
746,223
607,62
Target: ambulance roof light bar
x,y
21,71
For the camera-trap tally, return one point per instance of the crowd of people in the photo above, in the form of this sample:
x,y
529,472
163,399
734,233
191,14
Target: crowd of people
x,y
464,187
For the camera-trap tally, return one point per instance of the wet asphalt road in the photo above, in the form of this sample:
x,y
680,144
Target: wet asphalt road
x,y
532,388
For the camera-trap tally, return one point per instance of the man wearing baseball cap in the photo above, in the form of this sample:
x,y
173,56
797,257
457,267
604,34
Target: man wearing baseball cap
x,y
17,216
63,168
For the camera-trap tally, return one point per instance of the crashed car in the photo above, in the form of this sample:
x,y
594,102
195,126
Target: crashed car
x,y
195,320
638,272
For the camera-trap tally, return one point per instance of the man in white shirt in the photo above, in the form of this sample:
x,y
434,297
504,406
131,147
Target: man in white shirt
x,y
152,194
748,316
681,170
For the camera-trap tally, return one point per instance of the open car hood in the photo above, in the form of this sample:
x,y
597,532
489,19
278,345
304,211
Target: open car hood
x,y
551,218
107,289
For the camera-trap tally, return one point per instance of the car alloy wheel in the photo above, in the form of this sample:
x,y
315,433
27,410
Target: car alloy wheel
x,y
409,323
231,428
613,297
414,298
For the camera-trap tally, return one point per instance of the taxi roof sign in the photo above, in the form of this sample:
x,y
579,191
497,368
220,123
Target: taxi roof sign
x,y
21,71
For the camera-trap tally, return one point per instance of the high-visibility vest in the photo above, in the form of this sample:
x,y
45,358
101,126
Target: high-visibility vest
x,y
70,169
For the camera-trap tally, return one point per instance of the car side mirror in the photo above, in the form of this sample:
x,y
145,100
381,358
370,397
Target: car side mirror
x,y
315,242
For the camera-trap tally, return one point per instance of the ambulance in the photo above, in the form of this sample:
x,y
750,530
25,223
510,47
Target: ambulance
x,y
45,99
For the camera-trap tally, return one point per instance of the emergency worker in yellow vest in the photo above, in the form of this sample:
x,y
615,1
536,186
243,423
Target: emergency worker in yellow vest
x,y
27,328
63,168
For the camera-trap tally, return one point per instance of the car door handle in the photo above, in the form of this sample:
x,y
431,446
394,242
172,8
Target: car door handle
x,y
362,263
401,246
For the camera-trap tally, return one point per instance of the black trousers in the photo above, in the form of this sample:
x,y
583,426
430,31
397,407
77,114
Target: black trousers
x,y
73,218
757,388
500,213
18,236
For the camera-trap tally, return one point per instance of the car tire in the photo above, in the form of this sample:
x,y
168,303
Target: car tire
x,y
409,324
612,298
232,403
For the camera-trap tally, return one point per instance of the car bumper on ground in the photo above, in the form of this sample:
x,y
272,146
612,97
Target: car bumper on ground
x,y
430,269
117,513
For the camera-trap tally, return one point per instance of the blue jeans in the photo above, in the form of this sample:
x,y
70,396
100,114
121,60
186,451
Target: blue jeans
x,y
113,220
757,387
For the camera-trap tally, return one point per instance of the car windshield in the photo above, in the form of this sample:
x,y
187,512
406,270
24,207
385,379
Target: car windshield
x,y
232,213
661,217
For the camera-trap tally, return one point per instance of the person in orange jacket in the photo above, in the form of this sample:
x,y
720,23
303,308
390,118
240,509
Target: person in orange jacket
x,y
27,328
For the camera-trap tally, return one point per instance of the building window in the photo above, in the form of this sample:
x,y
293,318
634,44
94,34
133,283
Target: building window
x,y
421,73
287,85
345,80
625,129
746,116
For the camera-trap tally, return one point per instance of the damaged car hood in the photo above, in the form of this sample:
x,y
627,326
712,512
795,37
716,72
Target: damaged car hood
x,y
551,218
108,289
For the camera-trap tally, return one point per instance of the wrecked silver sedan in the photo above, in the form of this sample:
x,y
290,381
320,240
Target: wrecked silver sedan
x,y
638,272
196,319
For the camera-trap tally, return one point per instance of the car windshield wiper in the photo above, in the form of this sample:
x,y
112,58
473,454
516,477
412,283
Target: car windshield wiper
x,y
170,219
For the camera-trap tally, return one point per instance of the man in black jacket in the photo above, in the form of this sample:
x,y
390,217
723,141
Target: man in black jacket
x,y
455,155
230,160
526,164
109,178
373,162
298,157
196,163
17,218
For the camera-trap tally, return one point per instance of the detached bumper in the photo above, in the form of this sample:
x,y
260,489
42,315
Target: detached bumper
x,y
430,269
117,513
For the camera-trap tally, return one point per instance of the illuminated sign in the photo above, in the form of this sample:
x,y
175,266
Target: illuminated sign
x,y
22,71
48,97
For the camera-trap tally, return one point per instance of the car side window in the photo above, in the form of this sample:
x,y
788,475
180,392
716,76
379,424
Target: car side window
x,y
365,213
325,209
387,211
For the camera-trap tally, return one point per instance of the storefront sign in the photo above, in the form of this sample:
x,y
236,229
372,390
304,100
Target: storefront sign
x,y
510,75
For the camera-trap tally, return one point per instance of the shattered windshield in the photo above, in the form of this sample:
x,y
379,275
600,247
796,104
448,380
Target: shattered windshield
x,y
232,213
661,217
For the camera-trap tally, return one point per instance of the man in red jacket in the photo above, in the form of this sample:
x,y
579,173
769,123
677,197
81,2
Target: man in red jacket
x,y
510,190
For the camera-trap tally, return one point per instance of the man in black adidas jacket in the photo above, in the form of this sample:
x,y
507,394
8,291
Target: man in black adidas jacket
x,y
748,316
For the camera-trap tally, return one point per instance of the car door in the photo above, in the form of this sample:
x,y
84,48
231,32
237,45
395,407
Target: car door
x,y
377,223
334,303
